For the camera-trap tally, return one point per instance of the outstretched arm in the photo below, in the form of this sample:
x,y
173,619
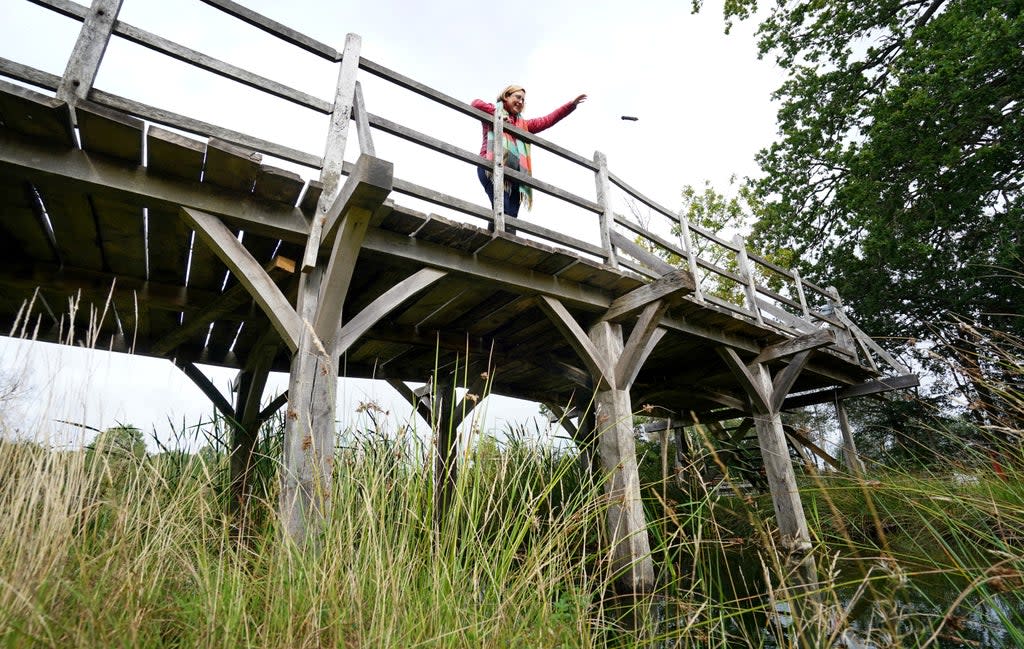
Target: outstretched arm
x,y
538,124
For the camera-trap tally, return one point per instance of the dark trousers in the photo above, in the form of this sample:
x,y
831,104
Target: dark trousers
x,y
512,196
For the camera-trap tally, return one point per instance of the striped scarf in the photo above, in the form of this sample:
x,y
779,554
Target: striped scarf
x,y
517,155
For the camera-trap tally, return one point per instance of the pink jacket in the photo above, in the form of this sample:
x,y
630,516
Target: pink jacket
x,y
535,125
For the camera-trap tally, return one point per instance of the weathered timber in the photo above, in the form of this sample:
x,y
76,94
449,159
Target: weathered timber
x,y
84,62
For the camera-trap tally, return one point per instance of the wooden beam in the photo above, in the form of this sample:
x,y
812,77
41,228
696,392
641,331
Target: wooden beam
x,y
367,187
338,274
759,398
517,280
785,379
642,340
337,130
79,172
627,528
422,409
860,390
362,123
798,438
792,346
84,62
671,285
249,273
385,304
208,388
578,340
346,221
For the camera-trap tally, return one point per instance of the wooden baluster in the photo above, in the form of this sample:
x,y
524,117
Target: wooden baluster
x,y
691,256
607,218
498,171
747,271
800,293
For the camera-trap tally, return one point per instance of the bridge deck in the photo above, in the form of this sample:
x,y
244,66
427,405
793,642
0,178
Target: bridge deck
x,y
84,216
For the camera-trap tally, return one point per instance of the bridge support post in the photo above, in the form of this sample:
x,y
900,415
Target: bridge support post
x,y
766,395
613,412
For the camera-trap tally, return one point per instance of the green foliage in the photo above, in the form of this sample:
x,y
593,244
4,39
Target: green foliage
x,y
896,177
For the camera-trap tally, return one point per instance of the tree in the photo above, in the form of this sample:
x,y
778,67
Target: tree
x,y
897,173
120,442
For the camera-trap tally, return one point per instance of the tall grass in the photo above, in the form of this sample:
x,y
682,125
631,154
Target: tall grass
x,y
104,549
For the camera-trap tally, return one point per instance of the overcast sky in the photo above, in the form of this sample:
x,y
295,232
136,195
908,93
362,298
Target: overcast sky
x,y
702,99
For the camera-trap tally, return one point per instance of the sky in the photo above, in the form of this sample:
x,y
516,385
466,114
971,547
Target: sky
x,y
702,99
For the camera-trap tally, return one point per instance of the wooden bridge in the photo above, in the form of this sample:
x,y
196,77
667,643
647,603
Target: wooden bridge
x,y
184,244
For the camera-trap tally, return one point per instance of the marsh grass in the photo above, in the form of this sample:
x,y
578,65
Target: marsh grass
x,y
106,549
102,549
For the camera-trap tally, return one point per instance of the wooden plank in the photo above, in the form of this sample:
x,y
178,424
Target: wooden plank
x,y
169,239
84,62
262,289
459,236
277,185
28,74
877,386
640,254
403,221
231,166
673,284
556,262
362,123
74,226
109,133
174,155
169,118
121,237
35,115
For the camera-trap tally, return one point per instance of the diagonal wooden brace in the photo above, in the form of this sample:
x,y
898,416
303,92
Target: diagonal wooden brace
x,y
248,272
346,222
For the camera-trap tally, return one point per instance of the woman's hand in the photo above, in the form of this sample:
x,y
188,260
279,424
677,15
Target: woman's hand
x,y
579,100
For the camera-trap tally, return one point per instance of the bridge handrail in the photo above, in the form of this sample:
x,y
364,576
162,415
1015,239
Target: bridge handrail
x,y
732,278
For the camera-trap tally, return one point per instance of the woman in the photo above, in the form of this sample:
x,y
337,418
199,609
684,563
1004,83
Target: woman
x,y
516,152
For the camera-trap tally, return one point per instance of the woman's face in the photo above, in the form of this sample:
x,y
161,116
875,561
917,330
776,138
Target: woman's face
x,y
515,101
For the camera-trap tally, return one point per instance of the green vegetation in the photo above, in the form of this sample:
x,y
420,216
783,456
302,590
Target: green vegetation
x,y
106,548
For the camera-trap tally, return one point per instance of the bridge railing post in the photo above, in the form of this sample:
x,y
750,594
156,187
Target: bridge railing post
x,y
691,256
604,199
746,271
498,172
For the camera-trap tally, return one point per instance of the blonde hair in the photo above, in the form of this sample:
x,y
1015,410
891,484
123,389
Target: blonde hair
x,y
509,90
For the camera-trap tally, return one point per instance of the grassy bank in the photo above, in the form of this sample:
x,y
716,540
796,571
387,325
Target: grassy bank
x,y
104,548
